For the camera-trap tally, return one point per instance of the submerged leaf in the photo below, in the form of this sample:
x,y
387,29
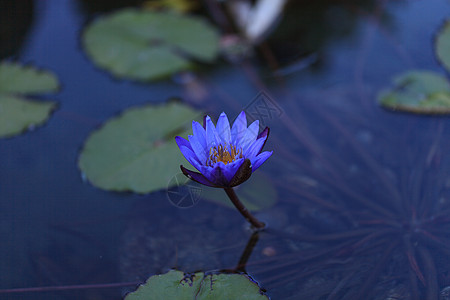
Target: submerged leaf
x,y
178,286
443,45
145,45
136,151
17,112
422,92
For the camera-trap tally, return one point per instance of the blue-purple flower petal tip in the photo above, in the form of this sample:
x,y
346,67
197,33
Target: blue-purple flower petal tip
x,y
224,156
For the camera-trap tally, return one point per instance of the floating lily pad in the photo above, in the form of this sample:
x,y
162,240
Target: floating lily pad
x,y
144,45
178,286
17,84
257,193
136,151
422,92
443,45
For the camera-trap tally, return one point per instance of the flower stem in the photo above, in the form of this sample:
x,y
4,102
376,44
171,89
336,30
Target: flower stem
x,y
243,210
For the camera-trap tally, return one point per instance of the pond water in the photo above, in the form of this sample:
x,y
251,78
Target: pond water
x,y
362,194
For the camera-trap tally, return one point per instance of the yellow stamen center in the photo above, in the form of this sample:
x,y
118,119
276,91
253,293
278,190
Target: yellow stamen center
x,y
224,154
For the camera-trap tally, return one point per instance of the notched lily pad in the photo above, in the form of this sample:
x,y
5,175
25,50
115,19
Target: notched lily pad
x,y
442,47
200,286
145,45
256,194
421,92
18,111
136,151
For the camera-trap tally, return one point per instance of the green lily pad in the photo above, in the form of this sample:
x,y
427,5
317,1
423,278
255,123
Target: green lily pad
x,y
145,45
19,79
17,111
421,92
136,151
443,45
256,194
178,286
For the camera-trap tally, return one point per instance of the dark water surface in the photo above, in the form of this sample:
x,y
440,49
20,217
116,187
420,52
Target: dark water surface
x,y
332,146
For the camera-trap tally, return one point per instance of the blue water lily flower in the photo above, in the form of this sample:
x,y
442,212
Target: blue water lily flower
x,y
224,157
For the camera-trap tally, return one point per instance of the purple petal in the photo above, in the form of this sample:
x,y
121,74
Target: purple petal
x,y
212,139
198,149
196,177
221,174
239,128
223,129
191,157
215,175
200,133
206,171
182,142
260,159
264,134
229,170
254,149
250,135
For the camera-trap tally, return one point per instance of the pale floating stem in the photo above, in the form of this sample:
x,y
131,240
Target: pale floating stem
x,y
243,210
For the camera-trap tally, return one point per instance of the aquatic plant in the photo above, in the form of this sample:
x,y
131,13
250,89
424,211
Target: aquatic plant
x,y
225,157
374,209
